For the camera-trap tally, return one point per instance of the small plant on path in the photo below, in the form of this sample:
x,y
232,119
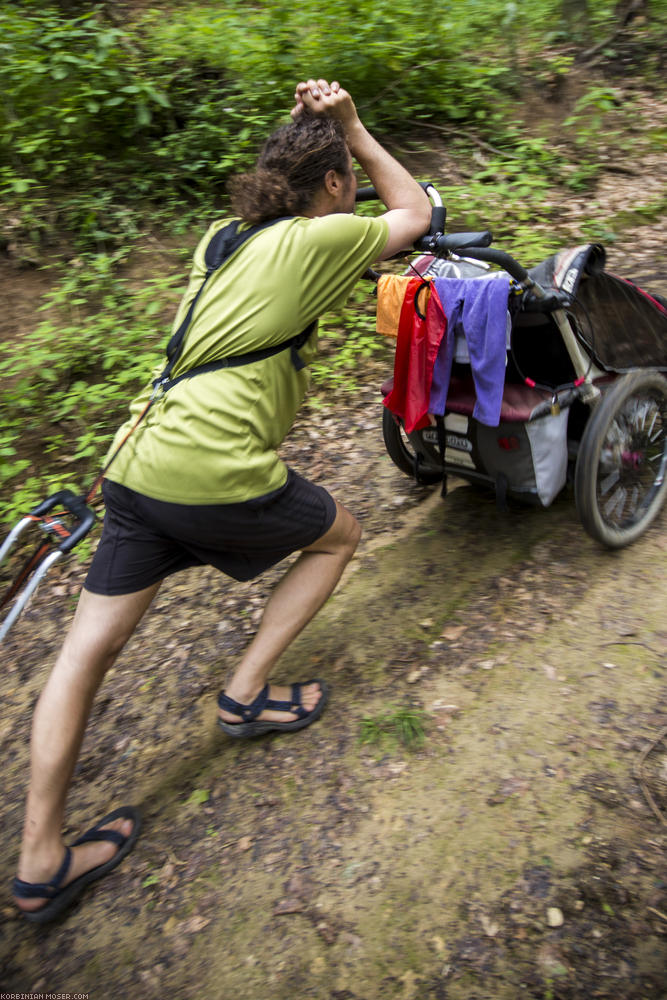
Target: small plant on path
x,y
398,726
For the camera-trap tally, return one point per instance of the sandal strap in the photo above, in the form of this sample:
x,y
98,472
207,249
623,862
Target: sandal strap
x,y
112,836
33,890
294,706
247,712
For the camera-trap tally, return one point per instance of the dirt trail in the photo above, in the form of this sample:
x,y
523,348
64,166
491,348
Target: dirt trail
x,y
315,866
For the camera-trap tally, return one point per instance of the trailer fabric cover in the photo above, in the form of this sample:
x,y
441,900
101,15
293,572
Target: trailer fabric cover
x,y
620,324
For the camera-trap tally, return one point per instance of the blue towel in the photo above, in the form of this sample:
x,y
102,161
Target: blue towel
x,y
477,307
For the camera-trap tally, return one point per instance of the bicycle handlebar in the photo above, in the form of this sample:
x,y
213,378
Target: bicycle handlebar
x,y
438,211
366,194
370,194
453,242
475,245
76,506
493,256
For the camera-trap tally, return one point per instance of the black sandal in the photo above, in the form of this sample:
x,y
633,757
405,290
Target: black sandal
x,y
58,899
249,727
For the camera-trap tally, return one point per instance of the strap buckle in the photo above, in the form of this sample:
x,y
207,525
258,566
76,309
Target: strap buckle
x,y
159,387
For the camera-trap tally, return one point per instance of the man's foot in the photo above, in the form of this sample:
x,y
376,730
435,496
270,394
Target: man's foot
x,y
310,696
273,709
42,895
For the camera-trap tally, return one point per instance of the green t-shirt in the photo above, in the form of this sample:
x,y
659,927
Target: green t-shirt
x,y
213,438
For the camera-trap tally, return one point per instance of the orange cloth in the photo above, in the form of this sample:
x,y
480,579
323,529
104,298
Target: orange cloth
x,y
391,291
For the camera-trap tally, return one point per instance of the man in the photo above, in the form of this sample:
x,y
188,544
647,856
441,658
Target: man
x,y
199,481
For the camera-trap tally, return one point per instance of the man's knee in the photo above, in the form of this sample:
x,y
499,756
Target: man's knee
x,y
355,532
350,532
92,652
342,537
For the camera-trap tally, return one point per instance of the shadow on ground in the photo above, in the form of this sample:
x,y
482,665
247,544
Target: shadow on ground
x,y
520,851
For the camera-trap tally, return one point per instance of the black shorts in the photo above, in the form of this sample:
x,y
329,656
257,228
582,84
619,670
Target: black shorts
x,y
144,540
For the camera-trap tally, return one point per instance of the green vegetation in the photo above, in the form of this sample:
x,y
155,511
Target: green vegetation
x,y
102,122
67,384
111,126
404,726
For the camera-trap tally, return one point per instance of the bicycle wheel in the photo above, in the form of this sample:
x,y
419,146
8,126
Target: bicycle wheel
x,y
620,482
403,455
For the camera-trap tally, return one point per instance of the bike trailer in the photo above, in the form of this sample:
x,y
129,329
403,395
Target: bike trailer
x,y
527,449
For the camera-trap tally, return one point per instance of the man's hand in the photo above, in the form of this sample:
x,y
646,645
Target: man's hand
x,y
409,210
322,98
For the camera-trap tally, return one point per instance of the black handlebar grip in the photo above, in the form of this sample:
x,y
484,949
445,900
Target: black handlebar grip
x,y
501,258
438,219
79,532
61,499
366,194
73,505
453,242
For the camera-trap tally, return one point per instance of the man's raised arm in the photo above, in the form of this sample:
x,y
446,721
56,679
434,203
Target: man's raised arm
x,y
408,208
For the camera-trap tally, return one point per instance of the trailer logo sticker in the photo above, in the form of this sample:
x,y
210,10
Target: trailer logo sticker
x,y
460,443
451,440
568,268
570,280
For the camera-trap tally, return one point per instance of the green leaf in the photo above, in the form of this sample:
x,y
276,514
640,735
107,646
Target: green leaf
x,y
198,797
21,184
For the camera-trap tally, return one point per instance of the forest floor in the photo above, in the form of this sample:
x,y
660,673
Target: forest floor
x,y
520,851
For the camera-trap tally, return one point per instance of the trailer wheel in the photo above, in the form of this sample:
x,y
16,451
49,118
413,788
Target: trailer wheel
x,y
620,480
402,454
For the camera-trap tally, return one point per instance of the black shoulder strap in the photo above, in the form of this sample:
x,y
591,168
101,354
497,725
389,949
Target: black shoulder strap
x,y
221,247
165,383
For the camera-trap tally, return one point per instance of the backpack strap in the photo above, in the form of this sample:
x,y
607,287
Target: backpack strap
x,y
221,247
164,383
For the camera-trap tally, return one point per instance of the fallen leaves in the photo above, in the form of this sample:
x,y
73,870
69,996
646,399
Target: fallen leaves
x,y
438,945
326,931
288,905
192,925
299,898
507,788
453,632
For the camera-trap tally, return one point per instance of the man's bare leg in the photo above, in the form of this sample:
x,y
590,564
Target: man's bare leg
x,y
101,627
295,601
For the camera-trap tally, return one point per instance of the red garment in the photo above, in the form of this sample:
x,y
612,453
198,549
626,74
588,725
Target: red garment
x,y
416,350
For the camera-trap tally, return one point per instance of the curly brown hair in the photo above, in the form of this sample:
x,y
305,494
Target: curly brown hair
x,y
291,169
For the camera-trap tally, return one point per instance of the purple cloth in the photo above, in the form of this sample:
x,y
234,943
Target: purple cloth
x,y
476,307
